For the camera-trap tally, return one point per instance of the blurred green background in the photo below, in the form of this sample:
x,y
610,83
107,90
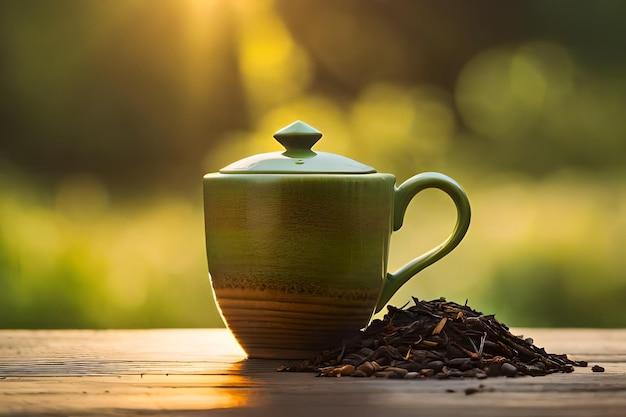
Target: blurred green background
x,y
112,111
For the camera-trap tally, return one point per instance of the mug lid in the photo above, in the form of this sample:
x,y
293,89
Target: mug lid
x,y
298,138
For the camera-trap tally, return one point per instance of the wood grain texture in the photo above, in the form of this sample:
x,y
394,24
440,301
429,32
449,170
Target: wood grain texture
x,y
203,372
274,324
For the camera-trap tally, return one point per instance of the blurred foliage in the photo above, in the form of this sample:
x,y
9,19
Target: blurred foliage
x,y
79,261
112,111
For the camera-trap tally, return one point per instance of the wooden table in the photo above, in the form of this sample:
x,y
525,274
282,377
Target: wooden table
x,y
203,372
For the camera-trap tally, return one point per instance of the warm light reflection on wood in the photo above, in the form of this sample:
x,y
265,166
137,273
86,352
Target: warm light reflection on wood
x,y
182,369
202,372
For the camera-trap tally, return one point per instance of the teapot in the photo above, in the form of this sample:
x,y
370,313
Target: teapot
x,y
298,242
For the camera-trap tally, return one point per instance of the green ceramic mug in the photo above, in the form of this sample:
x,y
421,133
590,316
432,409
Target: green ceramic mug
x,y
298,242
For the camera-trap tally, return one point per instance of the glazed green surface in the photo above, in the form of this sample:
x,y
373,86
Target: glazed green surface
x,y
300,233
316,234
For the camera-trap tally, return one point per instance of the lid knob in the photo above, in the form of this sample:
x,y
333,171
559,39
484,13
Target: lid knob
x,y
298,138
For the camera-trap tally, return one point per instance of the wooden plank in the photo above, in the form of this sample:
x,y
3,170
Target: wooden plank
x,y
116,352
200,372
581,344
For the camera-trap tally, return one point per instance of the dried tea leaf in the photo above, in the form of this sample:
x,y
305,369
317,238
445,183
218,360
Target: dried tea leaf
x,y
439,326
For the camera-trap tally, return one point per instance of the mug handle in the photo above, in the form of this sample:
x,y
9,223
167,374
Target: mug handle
x,y
403,196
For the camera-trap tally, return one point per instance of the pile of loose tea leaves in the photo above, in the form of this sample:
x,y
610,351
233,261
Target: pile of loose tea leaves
x,y
436,339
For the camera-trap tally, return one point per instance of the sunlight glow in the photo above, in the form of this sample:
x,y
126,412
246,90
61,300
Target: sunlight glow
x,y
273,67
